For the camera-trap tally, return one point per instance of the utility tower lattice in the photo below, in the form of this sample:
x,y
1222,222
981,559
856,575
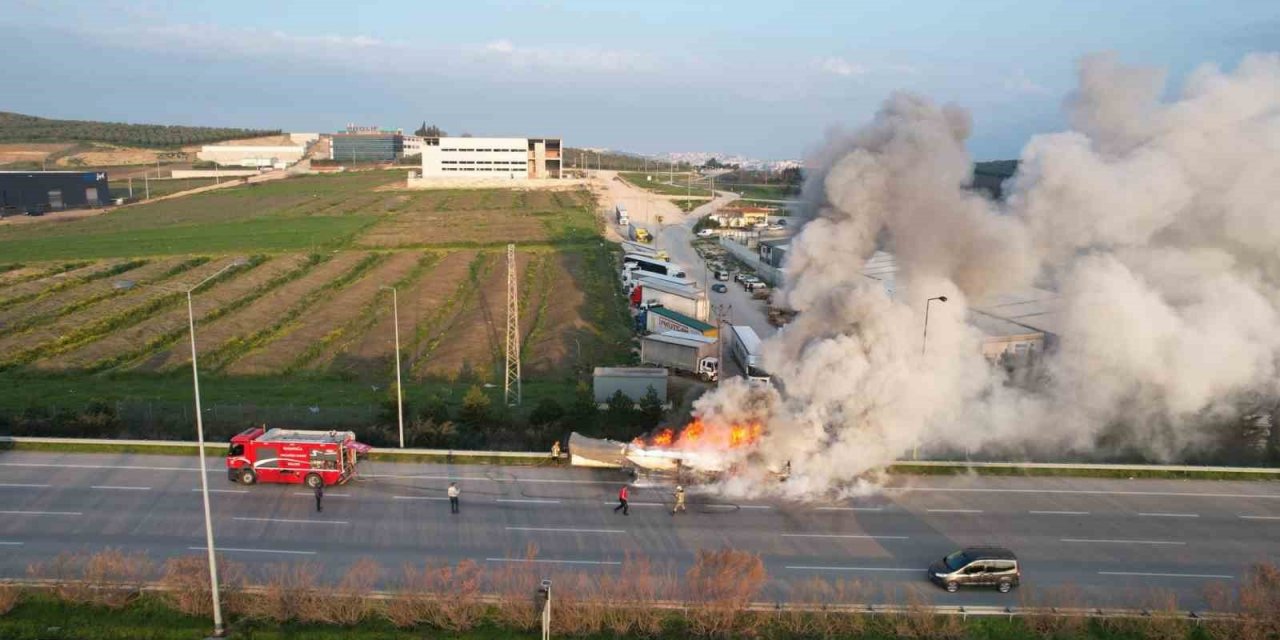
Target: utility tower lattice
x,y
513,331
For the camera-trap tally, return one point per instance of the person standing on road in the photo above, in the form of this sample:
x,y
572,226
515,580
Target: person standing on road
x,y
319,496
453,497
622,502
679,500
555,452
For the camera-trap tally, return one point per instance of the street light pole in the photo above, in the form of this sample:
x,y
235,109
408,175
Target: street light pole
x,y
395,305
925,341
218,628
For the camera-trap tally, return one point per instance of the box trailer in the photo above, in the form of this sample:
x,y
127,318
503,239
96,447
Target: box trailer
x,y
687,300
745,349
685,352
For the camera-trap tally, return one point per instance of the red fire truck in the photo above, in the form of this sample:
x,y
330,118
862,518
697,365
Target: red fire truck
x,y
293,456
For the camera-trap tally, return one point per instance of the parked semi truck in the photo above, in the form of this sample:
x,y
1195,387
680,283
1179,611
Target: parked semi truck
x,y
746,352
620,215
685,352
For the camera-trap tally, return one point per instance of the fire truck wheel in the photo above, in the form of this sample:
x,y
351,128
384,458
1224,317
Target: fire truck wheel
x,y
314,480
248,477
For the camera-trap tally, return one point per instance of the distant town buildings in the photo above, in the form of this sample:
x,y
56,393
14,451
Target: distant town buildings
x,y
367,144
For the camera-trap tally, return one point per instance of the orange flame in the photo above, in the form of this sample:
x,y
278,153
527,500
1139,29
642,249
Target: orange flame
x,y
698,433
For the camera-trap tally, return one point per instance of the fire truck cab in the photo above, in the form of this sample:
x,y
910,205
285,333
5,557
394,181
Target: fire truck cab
x,y
293,456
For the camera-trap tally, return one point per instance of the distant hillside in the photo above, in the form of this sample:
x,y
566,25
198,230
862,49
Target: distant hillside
x,y
16,127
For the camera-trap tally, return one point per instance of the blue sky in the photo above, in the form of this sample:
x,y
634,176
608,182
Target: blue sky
x,y
753,78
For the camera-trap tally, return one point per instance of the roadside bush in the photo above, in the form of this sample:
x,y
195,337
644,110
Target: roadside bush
x,y
347,603
289,592
9,597
442,597
515,583
185,580
1259,599
110,578
720,586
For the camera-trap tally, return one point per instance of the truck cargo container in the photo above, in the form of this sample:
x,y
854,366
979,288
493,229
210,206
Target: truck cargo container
x,y
691,302
662,320
745,349
685,352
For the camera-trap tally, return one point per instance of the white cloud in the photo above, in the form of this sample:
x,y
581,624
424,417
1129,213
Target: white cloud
x,y
566,58
841,67
1020,82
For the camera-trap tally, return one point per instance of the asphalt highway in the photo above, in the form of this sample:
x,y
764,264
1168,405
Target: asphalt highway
x,y
1114,540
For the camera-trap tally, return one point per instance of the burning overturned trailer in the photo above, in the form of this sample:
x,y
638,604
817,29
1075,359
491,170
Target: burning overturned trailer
x,y
695,449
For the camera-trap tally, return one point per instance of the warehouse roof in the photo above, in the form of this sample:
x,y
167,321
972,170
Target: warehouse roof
x,y
681,318
681,338
631,372
679,290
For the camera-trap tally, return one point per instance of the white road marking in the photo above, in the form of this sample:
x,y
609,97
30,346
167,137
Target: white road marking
x,y
954,510
441,498
1166,575
841,535
635,504
1169,515
18,485
1059,513
102,466
809,568
110,487
849,509
1099,541
1261,517
529,500
488,479
291,521
240,550
554,530
326,494
611,562
753,506
223,491
42,513
1097,492
10,544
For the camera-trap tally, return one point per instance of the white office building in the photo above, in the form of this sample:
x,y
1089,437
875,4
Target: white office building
x,y
514,158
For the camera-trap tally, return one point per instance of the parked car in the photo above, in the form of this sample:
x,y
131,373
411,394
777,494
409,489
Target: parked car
x,y
753,285
719,287
977,567
706,233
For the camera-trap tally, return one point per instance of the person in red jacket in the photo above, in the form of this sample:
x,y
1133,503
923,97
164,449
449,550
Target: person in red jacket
x,y
622,502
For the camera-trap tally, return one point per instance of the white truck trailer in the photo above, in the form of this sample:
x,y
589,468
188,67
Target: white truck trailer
x,y
745,350
685,352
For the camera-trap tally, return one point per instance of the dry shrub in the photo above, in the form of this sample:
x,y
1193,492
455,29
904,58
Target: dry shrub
x,y
1044,622
1221,598
847,624
348,602
720,585
289,592
515,584
920,621
1259,601
185,580
110,578
809,613
625,601
443,597
1166,621
576,610
9,597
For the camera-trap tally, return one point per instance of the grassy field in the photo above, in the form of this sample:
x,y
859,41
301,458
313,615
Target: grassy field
x,y
660,185
763,191
303,331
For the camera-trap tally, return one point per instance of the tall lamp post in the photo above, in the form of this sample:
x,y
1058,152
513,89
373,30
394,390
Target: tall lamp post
x,y
218,628
395,305
924,342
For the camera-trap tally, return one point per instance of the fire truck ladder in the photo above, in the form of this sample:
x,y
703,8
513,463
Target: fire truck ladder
x,y
513,332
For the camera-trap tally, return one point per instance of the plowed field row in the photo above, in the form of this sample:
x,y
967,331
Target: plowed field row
x,y
62,280
428,334
165,328
320,355
478,334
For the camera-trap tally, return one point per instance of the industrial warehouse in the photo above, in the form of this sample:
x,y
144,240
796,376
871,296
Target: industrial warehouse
x,y
513,158
37,192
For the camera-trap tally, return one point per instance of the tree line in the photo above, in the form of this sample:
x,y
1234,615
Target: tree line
x,y
16,127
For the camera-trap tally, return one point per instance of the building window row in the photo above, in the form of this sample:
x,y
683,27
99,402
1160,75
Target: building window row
x,y
487,150
504,170
518,163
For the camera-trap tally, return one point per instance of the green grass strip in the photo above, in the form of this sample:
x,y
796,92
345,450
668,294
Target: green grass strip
x,y
240,346
62,268
443,320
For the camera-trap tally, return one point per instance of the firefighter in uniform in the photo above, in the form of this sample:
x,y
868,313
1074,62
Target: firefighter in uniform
x,y
319,496
679,500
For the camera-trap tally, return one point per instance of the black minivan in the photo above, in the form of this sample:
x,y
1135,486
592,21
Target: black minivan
x,y
977,567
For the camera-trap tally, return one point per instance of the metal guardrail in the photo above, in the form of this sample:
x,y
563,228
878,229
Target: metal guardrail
x,y
963,611
222,445
1086,466
532,455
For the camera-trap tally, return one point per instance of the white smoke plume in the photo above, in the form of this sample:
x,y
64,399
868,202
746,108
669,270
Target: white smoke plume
x,y
1157,223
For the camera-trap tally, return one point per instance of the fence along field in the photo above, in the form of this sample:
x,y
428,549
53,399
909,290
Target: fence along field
x,y
309,310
